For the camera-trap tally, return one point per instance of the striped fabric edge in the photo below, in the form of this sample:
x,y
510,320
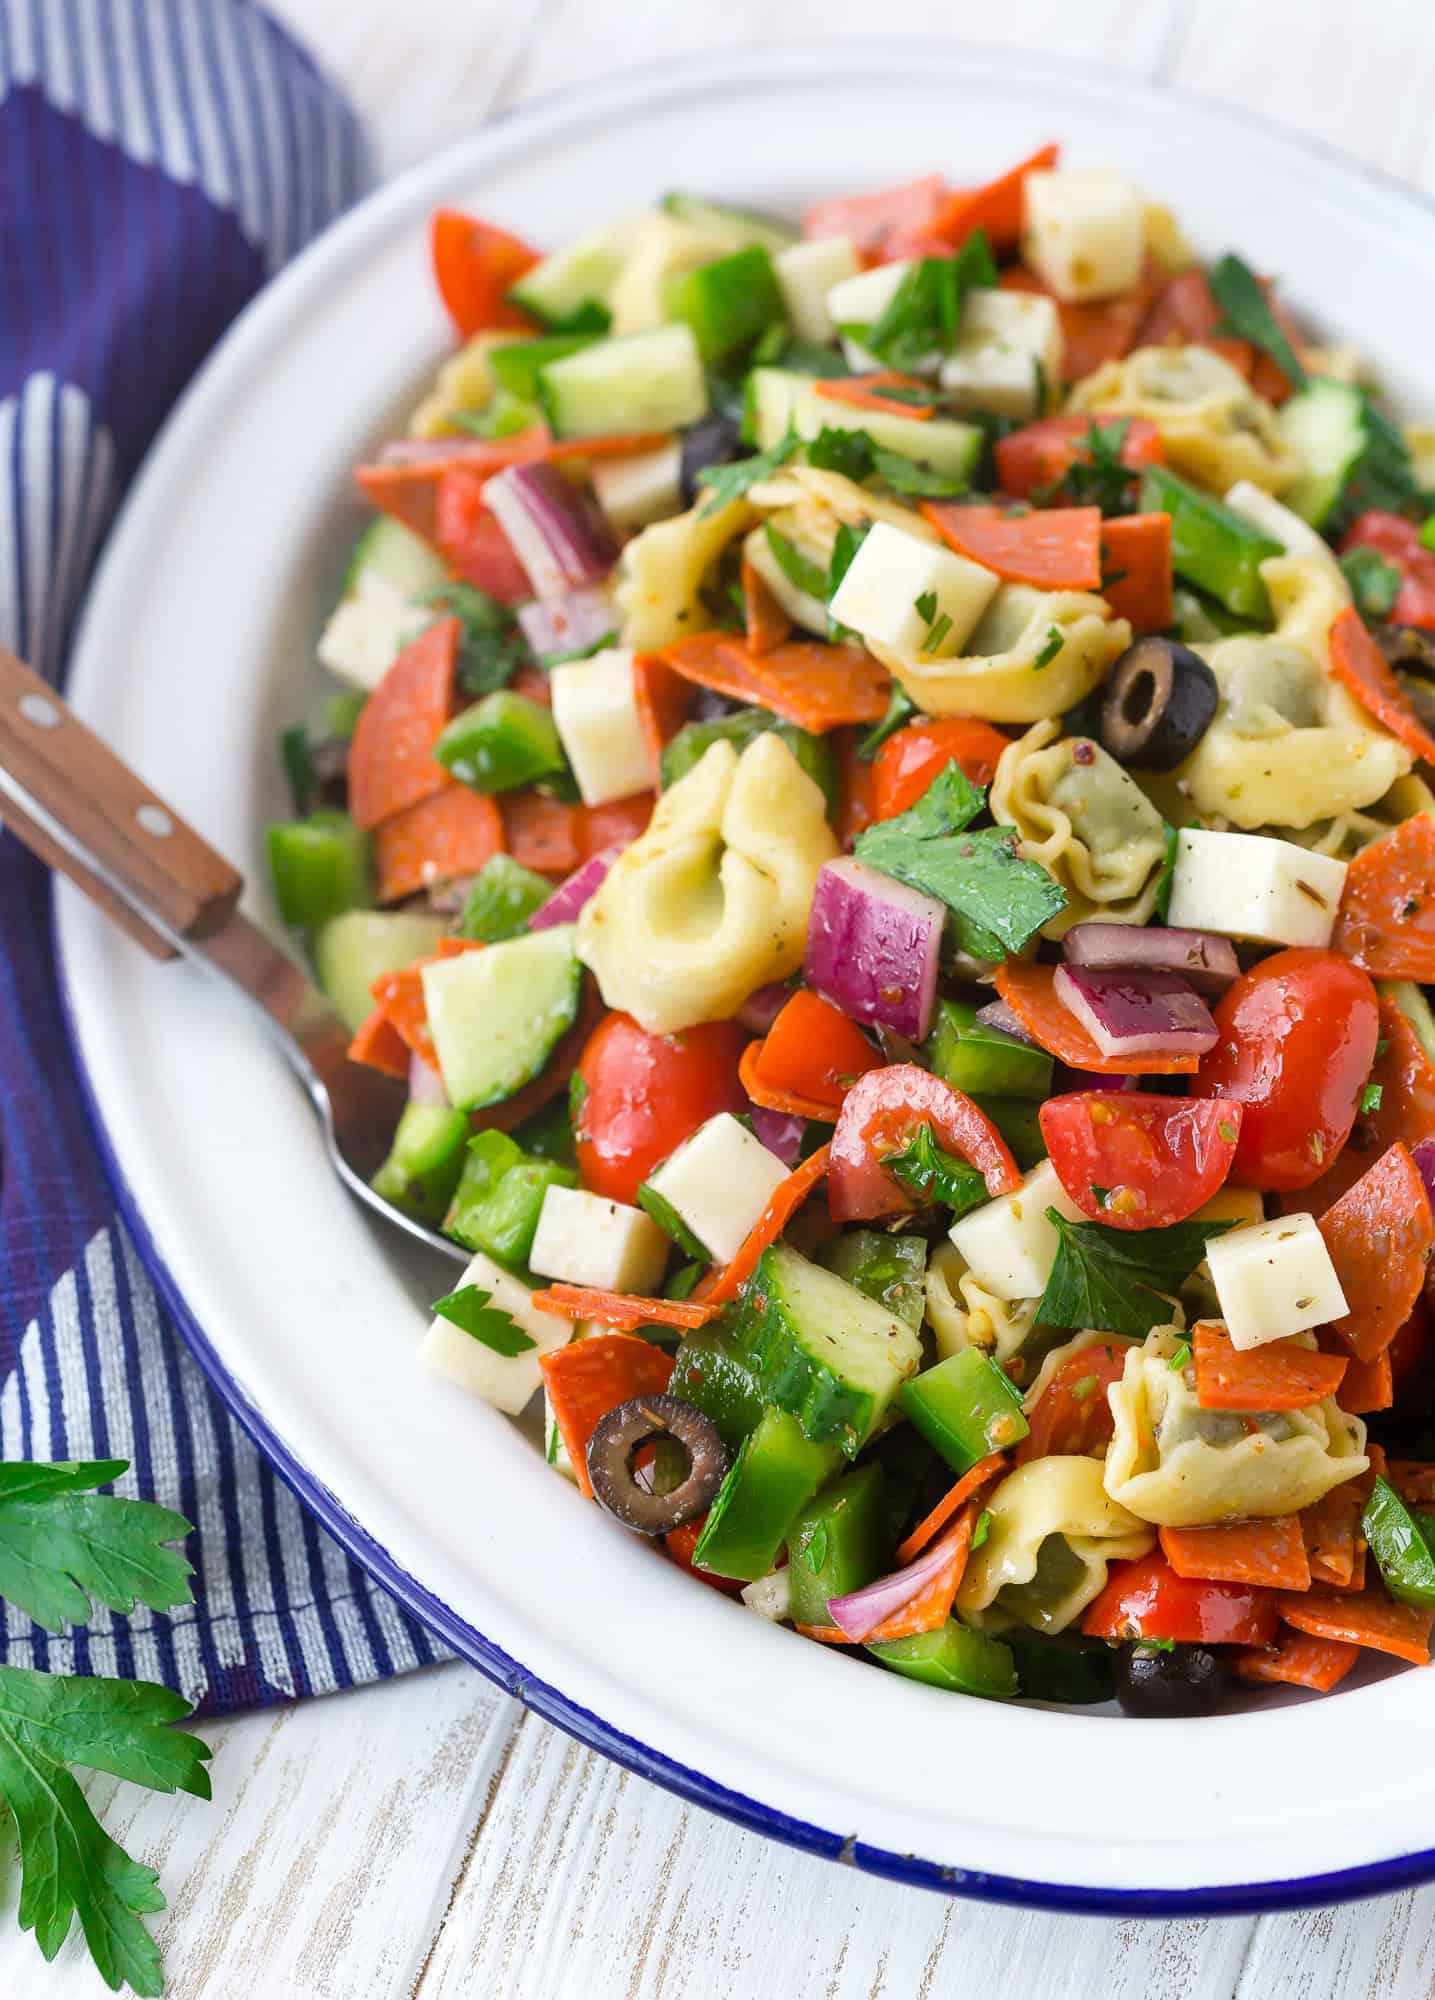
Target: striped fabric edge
x,y
57,483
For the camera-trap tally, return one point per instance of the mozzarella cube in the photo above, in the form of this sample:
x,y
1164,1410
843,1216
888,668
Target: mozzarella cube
x,y
1246,885
596,715
861,301
1008,355
1085,231
806,273
584,1239
646,487
1009,1245
1274,1279
368,630
505,1380
891,571
718,1183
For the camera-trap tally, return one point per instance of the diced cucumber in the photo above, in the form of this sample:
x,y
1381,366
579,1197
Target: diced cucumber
x,y
837,1543
503,741
354,950
425,1160
775,1473
822,1349
500,1191
1211,546
889,1269
972,1057
651,381
815,754
504,896
1018,1119
711,1372
1324,425
744,224
779,398
322,866
965,1408
403,559
561,285
953,1657
727,303
517,367
496,1015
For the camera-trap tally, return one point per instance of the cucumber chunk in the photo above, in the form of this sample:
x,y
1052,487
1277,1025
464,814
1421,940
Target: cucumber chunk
x,y
1324,425
354,950
425,1161
779,397
889,1269
578,276
651,381
496,1015
517,368
775,1473
823,1350
743,224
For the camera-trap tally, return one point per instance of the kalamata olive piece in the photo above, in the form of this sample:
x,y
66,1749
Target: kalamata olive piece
x,y
619,1436
1158,704
714,441
1410,649
1184,1680
330,761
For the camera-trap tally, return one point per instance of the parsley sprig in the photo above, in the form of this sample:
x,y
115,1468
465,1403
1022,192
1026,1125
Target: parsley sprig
x,y
1112,1279
924,1168
726,483
469,1310
853,454
1098,476
491,648
1246,313
924,312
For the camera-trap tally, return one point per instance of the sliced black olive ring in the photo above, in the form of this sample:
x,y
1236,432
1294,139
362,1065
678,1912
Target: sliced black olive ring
x,y
1157,705
1181,1680
624,1490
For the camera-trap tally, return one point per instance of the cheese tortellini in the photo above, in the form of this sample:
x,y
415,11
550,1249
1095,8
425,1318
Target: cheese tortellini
x,y
1086,821
1180,1466
1034,654
662,571
711,901
1213,425
1053,1529
963,1313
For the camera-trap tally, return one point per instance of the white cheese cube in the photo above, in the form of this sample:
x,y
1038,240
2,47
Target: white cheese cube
x,y
555,1452
646,487
879,595
596,715
584,1239
861,301
1246,885
368,630
1008,354
1009,1245
1274,1279
806,273
505,1380
718,1183
1085,231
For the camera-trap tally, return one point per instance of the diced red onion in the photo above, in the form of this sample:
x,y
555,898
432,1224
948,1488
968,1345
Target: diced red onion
x,y
997,1014
1137,1013
860,1612
780,1131
1069,1080
1209,962
570,896
1423,1154
425,1084
552,527
477,452
568,624
758,1012
873,947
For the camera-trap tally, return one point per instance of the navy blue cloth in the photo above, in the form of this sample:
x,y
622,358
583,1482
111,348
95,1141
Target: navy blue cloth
x,y
158,160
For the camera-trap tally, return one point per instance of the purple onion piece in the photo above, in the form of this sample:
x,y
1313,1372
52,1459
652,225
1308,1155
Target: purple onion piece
x,y
570,896
1423,1154
873,947
860,1612
426,1085
569,624
552,527
758,1012
1137,1013
996,1014
780,1131
1209,962
1070,1080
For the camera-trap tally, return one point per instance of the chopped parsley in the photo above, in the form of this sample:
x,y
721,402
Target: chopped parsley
x,y
850,538
924,312
469,1310
491,648
907,476
847,452
1374,582
1370,1098
982,1529
1112,1279
1101,478
800,570
1167,877
1227,1131
900,708
1100,1195
726,483
937,622
1051,646
1246,313
927,1169
1181,1358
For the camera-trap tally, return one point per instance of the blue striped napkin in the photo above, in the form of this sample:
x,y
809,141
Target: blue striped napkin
x,y
159,159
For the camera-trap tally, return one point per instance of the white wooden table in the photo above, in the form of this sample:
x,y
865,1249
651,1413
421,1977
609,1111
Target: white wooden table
x,y
429,1839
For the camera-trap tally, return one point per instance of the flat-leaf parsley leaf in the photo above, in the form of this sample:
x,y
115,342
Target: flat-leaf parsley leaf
x,y
468,1309
1112,1279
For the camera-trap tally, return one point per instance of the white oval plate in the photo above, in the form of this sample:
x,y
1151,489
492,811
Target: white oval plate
x,y
195,649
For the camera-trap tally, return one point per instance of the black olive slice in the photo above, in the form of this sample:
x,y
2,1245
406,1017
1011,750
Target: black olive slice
x,y
631,1497
714,441
1158,704
1174,1681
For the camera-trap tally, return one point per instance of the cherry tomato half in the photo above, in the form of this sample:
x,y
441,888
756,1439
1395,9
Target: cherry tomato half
x,y
646,1093
1145,1599
907,762
879,1115
1298,1034
1398,540
1136,1161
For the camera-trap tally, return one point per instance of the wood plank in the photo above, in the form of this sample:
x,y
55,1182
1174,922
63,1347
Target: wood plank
x,y
1381,1950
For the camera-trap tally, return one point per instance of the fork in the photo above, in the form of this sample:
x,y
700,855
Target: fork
x,y
86,814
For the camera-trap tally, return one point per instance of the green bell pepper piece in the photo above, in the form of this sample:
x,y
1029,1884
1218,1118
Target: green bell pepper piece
x,y
727,303
425,1160
499,1194
1060,1668
814,753
777,1470
889,1269
837,1543
711,1372
953,1657
974,1058
516,365
1018,1120
965,1408
503,897
1399,1542
322,866
1211,546
503,741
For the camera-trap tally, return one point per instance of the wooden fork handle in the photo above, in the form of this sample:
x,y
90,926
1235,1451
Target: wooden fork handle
x,y
107,812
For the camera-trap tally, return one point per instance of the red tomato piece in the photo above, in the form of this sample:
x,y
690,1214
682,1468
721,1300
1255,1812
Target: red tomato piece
x,y
878,1117
1145,1599
1297,1039
1042,453
646,1093
909,760
474,265
470,540
1398,540
812,1050
1072,1417
1157,1159
1406,1112
859,790
1052,548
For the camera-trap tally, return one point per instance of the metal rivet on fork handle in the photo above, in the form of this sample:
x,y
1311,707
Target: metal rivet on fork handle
x,y
42,713
155,820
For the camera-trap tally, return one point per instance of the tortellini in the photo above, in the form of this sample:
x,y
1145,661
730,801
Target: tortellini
x,y
1053,1529
1180,1466
963,1313
1213,426
711,901
466,381
1057,1357
1086,821
662,572
1034,654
